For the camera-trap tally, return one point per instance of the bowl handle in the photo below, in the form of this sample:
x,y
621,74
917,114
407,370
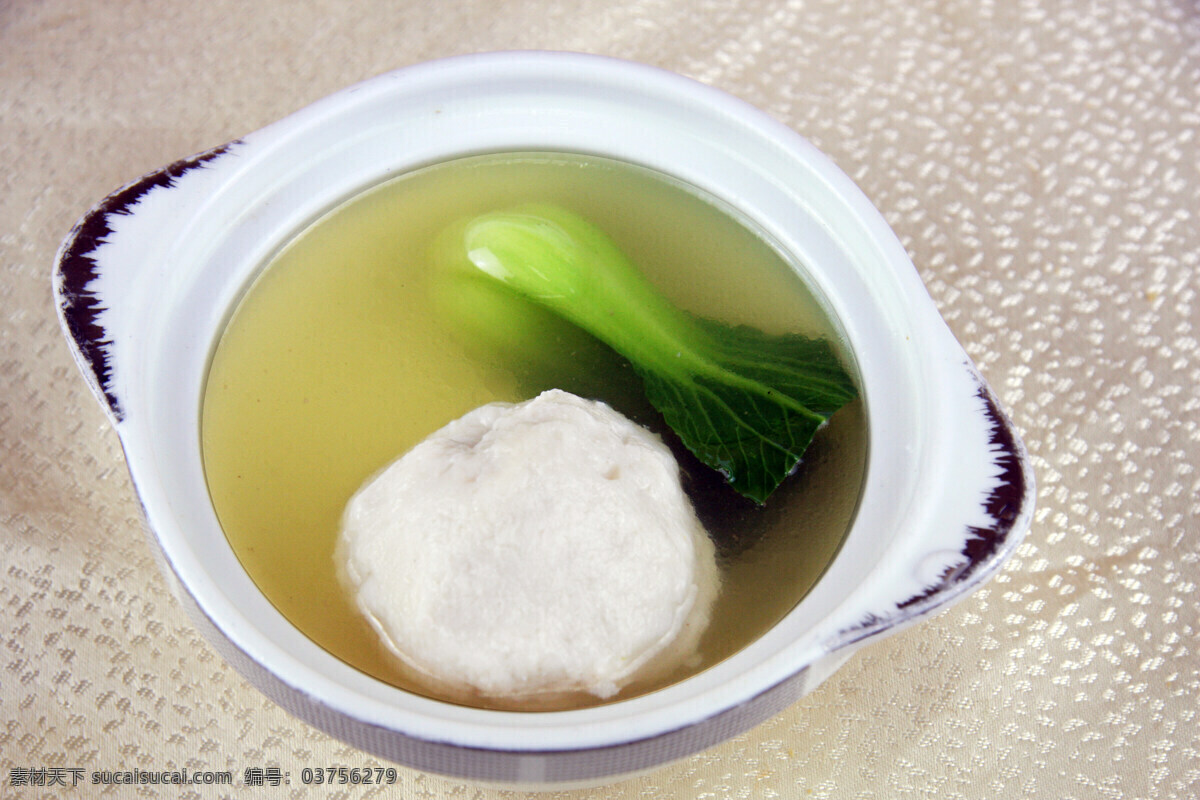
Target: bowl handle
x,y
964,554
104,273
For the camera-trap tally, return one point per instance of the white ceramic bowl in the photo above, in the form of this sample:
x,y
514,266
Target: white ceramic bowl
x,y
146,280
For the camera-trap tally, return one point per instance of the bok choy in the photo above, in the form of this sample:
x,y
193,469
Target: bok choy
x,y
745,402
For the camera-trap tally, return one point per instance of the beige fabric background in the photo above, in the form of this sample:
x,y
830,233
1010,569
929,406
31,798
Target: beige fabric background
x,y
1041,163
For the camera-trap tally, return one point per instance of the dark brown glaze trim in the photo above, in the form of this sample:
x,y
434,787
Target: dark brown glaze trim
x,y
1005,504
77,267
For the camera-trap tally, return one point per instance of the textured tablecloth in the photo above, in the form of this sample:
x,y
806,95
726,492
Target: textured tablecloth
x,y
1041,163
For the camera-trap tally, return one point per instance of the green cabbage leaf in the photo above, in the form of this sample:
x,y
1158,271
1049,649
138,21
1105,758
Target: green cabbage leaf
x,y
744,402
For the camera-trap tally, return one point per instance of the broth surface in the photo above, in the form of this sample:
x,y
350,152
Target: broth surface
x,y
349,348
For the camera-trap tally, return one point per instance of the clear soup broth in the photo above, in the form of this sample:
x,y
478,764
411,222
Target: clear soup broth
x,y
349,348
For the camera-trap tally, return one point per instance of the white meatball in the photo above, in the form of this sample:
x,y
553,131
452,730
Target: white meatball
x,y
530,550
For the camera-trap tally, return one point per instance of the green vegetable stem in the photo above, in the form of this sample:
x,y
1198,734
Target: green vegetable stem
x,y
745,402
